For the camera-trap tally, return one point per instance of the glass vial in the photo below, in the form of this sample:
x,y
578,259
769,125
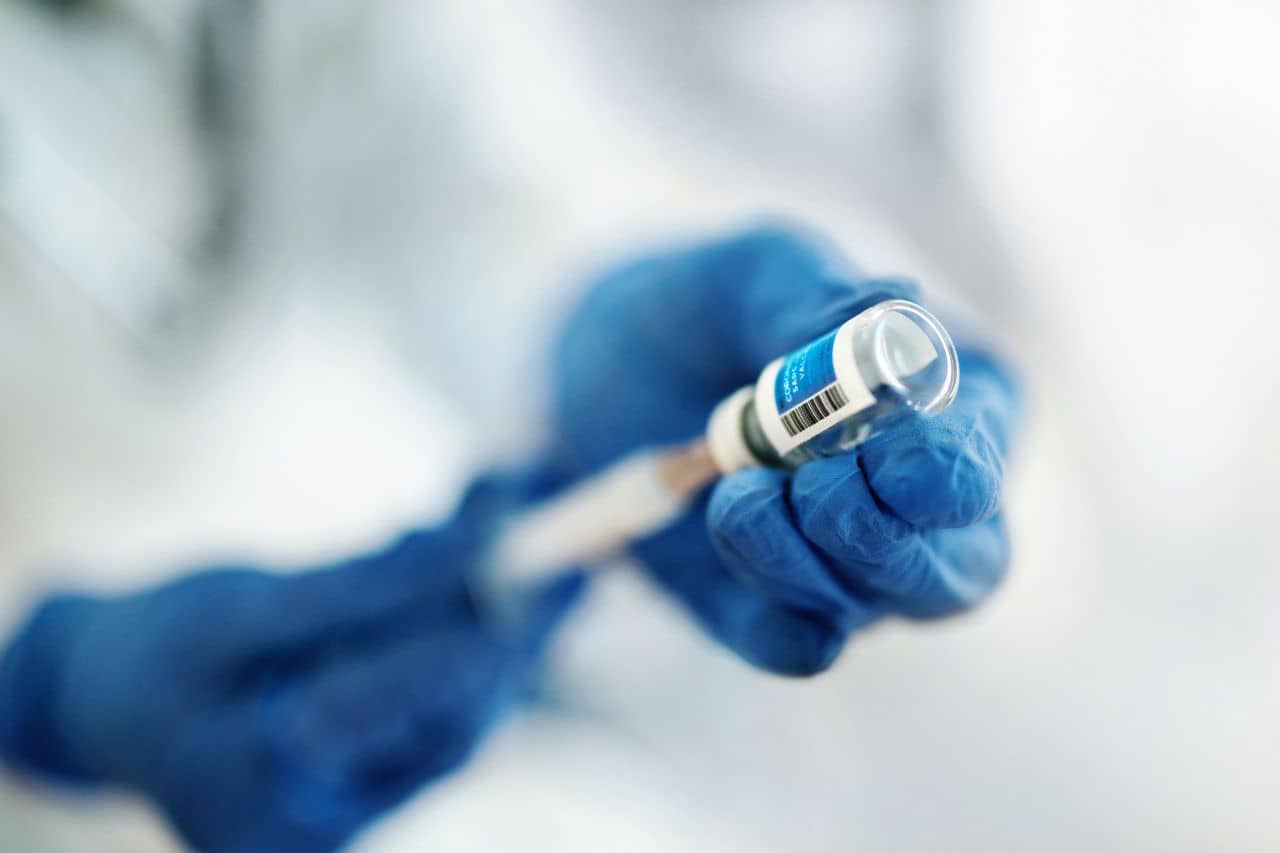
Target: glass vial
x,y
892,359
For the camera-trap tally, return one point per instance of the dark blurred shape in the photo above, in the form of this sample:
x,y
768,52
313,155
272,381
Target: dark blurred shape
x,y
225,74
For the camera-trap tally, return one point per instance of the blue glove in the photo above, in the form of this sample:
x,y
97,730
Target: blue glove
x,y
276,713
782,567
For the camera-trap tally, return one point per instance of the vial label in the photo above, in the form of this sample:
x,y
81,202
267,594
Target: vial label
x,y
813,411
804,393
806,373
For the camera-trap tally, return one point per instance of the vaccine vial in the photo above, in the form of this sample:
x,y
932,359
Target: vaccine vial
x,y
892,360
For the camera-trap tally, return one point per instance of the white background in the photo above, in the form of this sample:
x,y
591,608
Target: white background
x,y
431,176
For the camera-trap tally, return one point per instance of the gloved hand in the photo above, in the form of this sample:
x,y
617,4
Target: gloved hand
x,y
781,567
276,713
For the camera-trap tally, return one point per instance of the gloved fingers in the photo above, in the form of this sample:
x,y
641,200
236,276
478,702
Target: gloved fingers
x,y
426,564
946,470
755,624
968,564
422,575
939,572
393,717
384,720
909,570
755,534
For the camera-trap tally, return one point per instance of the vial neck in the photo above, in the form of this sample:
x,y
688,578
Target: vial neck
x,y
754,437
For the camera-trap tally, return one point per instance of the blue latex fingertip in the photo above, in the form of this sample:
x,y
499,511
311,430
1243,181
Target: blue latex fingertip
x,y
882,558
968,564
943,471
748,621
836,510
946,471
784,642
755,535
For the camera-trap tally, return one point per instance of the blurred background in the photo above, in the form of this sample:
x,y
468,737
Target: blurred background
x,y
249,252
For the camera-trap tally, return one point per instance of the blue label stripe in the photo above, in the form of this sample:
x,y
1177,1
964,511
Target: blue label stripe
x,y
805,372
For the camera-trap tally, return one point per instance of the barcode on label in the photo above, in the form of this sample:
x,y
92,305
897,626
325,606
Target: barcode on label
x,y
821,405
